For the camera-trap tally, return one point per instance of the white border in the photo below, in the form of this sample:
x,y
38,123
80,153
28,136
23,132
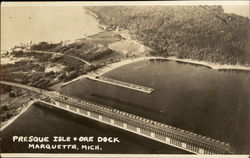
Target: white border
x,y
123,3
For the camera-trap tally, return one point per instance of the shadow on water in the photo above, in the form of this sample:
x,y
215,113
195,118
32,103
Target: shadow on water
x,y
201,65
179,62
40,120
194,98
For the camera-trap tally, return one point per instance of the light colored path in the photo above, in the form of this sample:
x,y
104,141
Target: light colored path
x,y
38,90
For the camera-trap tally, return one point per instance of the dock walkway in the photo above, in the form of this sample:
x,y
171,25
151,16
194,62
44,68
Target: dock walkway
x,y
160,132
121,84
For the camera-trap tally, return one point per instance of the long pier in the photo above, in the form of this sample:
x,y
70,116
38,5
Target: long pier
x,y
121,84
154,130
151,129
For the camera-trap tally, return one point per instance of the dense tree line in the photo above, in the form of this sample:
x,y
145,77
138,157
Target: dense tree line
x,y
43,46
98,54
196,32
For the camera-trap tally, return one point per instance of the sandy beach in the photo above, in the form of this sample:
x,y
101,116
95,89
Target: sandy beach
x,y
121,63
128,61
211,65
125,34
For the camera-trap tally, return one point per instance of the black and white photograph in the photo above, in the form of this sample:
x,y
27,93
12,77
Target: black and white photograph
x,y
125,79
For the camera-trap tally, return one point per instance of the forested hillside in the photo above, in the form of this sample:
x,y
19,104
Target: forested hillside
x,y
196,32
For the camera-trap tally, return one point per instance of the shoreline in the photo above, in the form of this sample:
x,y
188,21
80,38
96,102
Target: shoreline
x,y
118,64
173,58
115,65
8,122
96,17
209,64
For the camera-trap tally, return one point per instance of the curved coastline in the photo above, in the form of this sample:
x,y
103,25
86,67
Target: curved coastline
x,y
113,66
103,27
211,65
118,64
173,58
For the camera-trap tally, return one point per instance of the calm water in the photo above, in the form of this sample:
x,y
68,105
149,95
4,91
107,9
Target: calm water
x,y
43,121
195,98
22,24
